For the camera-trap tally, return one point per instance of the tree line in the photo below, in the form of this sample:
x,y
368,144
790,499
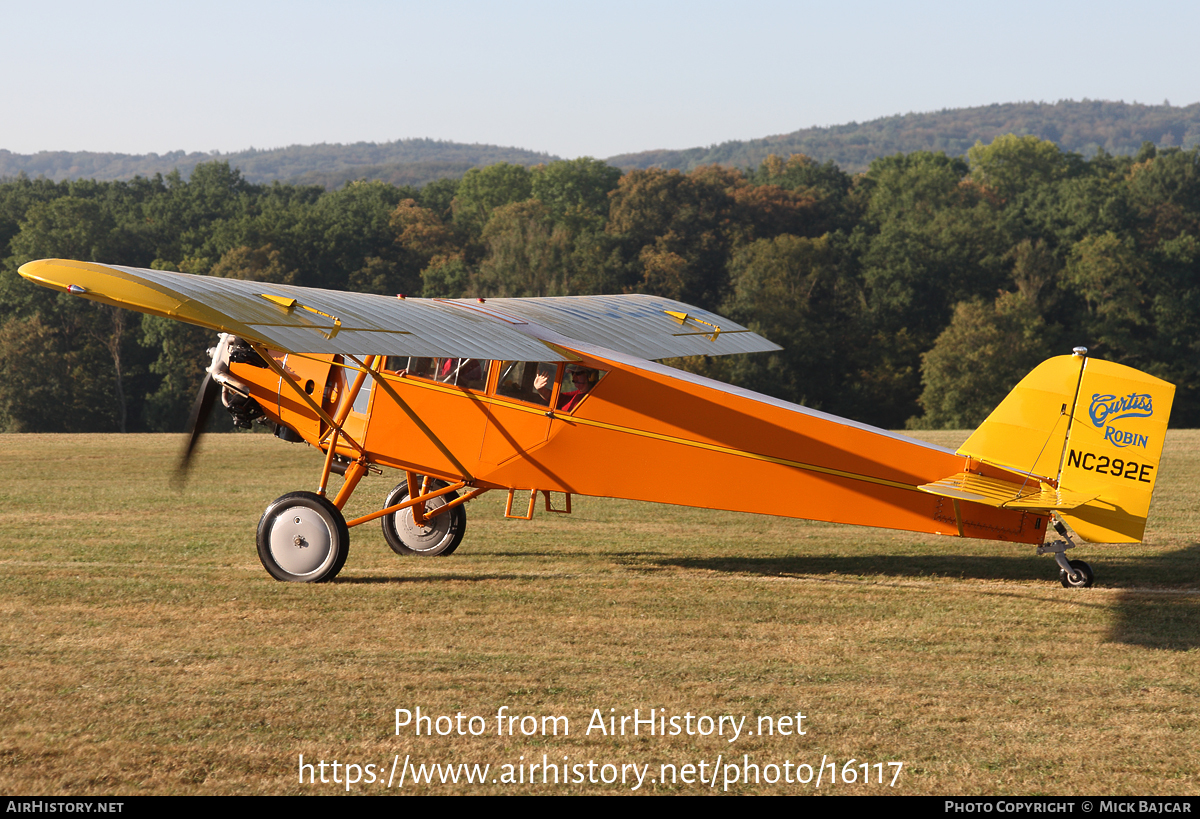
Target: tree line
x,y
914,294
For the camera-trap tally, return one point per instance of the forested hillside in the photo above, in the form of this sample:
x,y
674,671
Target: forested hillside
x,y
405,161
918,292
1081,127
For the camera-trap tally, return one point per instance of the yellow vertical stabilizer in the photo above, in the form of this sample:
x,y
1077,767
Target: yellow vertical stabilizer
x,y
1093,427
1114,448
1028,430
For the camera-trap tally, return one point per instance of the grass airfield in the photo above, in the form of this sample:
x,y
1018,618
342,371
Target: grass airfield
x,y
143,649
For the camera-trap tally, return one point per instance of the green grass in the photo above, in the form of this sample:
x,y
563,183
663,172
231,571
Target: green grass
x,y
143,649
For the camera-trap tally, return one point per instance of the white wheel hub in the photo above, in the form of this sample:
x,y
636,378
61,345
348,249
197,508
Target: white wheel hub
x,y
301,540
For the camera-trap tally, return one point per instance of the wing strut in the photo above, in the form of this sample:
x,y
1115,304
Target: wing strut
x,y
355,471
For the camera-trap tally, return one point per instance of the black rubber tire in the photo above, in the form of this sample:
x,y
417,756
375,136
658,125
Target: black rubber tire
x,y
1085,581
296,522
439,539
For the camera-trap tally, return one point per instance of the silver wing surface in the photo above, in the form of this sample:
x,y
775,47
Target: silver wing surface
x,y
309,320
650,327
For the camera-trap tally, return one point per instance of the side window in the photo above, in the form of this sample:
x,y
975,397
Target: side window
x,y
363,399
421,367
531,381
577,382
471,373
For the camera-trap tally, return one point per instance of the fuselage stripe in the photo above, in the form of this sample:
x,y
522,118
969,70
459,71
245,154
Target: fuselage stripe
x,y
743,453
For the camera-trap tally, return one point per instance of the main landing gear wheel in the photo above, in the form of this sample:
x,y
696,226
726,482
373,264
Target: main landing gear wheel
x,y
302,538
439,536
1082,576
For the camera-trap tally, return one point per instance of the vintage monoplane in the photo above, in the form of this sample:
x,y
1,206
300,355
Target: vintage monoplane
x,y
564,395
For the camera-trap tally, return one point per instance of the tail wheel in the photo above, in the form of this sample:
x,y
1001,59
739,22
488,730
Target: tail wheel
x,y
439,536
1082,576
302,538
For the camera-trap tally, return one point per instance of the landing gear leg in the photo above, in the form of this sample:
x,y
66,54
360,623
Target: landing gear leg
x,y
439,535
1074,574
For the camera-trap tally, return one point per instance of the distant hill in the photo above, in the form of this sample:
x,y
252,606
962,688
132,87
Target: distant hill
x,y
406,161
1083,127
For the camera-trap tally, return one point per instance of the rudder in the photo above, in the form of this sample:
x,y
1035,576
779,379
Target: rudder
x,y
1114,448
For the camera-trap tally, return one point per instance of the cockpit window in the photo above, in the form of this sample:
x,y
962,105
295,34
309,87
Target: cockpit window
x,y
577,382
535,382
471,373
530,381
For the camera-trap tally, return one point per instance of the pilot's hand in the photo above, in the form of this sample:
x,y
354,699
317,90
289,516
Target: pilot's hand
x,y
540,381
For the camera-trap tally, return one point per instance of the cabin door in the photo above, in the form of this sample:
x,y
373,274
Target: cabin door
x,y
521,422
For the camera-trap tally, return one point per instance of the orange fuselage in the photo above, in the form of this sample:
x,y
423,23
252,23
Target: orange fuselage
x,y
644,432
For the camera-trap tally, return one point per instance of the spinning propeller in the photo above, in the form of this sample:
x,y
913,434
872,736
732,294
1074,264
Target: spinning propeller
x,y
198,419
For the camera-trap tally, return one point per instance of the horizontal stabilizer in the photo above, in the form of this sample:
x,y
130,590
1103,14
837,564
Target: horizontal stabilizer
x,y
1032,495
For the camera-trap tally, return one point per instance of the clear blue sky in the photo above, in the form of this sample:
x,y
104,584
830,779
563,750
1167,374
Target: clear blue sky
x,y
569,78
